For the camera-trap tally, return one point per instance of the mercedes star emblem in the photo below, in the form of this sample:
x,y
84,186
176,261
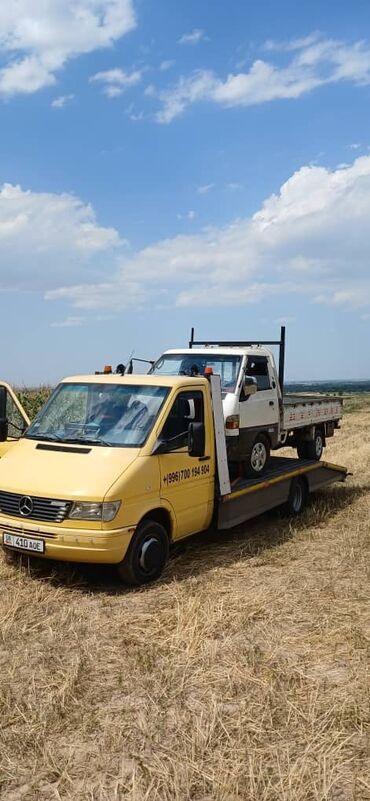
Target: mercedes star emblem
x,y
26,506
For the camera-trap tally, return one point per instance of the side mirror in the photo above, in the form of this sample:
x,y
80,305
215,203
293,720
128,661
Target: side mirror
x,y
3,420
3,430
196,439
250,385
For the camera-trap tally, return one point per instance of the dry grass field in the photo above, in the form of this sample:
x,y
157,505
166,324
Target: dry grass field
x,y
241,676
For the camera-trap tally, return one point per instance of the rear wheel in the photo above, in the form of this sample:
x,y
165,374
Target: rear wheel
x,y
301,450
146,556
315,447
259,457
311,449
297,496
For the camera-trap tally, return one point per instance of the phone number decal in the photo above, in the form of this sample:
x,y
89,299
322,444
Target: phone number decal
x,y
176,476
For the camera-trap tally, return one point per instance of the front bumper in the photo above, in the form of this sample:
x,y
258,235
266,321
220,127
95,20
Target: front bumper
x,y
73,544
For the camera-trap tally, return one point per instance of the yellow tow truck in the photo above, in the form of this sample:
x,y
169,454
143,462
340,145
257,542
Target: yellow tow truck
x,y
115,468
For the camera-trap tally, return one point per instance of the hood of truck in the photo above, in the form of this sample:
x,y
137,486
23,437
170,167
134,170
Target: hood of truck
x,y
63,471
5,446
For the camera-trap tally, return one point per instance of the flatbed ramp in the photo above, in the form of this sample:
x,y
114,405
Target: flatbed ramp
x,y
251,497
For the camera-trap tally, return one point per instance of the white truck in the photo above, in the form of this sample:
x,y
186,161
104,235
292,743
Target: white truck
x,y
258,416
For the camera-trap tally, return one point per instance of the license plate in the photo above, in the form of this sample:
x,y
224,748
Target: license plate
x,y
23,543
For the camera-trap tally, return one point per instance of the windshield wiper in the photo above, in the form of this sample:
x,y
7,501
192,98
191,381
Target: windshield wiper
x,y
87,441
47,437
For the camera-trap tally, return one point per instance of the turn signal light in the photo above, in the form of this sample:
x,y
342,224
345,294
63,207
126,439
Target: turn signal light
x,y
232,422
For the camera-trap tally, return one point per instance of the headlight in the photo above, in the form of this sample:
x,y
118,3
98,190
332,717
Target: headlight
x,y
106,511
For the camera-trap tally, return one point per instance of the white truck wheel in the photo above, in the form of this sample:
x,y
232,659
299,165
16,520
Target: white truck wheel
x,y
259,457
315,447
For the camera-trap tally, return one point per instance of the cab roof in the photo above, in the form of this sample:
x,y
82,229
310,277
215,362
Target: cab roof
x,y
143,380
252,350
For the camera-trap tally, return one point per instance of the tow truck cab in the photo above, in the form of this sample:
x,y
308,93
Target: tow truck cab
x,y
115,468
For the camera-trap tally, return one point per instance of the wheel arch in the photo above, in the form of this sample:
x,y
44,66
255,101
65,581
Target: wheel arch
x,y
163,516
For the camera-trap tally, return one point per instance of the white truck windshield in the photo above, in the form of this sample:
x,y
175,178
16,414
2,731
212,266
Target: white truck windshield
x,y
99,414
226,366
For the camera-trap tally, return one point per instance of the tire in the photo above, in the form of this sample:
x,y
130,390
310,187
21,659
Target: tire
x,y
259,456
297,496
301,450
146,556
315,447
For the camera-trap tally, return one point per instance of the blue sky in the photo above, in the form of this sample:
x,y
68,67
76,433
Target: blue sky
x,y
164,165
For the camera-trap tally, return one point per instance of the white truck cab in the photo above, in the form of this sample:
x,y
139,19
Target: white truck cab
x,y
258,417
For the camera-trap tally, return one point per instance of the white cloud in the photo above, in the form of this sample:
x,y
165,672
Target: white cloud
x,y
203,190
69,322
311,239
234,186
295,44
166,65
313,63
135,116
62,101
47,238
115,82
40,37
199,86
192,38
190,215
102,295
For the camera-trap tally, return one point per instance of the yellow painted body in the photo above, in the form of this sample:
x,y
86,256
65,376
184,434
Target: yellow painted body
x,y
181,485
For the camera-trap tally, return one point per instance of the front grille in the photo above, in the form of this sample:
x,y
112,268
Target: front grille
x,y
49,509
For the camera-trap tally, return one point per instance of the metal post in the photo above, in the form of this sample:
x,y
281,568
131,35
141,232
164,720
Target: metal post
x,y
191,338
282,358
220,438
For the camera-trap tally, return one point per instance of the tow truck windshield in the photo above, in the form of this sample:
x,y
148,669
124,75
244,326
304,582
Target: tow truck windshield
x,y
194,364
99,414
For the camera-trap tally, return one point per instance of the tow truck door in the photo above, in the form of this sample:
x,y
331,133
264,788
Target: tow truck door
x,y
11,410
187,482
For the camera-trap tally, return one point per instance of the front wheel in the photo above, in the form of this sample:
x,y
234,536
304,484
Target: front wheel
x,y
146,556
258,457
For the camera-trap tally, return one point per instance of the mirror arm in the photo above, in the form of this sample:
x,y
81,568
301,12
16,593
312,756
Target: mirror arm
x,y
162,442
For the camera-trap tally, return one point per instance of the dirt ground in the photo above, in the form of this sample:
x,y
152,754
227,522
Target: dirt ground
x,y
242,675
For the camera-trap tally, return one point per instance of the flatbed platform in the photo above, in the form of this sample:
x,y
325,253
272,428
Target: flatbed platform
x,y
251,497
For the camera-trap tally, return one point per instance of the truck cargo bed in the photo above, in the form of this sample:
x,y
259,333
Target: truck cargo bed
x,y
307,410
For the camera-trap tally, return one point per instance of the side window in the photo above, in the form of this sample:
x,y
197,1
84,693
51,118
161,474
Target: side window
x,y
188,408
257,366
16,423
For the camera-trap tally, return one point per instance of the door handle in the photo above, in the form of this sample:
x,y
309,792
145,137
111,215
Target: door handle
x,y
204,459
271,403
